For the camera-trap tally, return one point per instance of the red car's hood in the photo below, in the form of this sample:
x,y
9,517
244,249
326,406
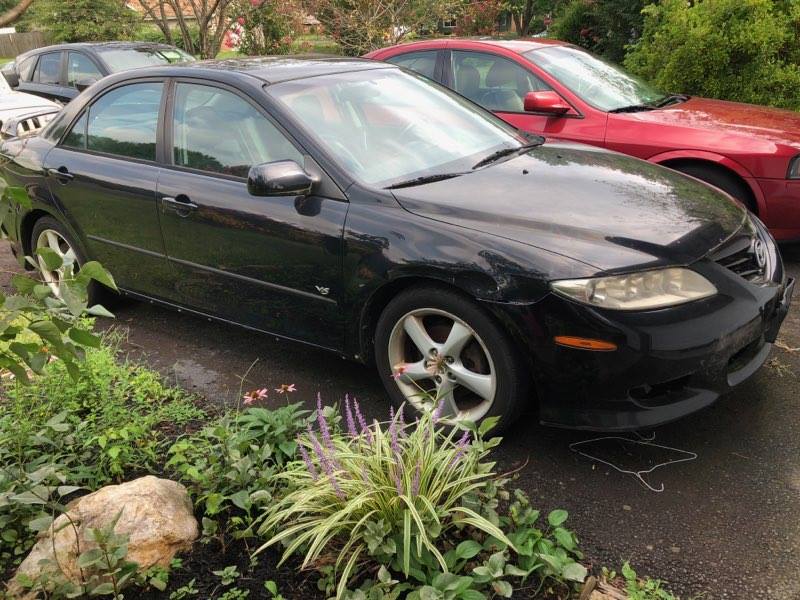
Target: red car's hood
x,y
769,124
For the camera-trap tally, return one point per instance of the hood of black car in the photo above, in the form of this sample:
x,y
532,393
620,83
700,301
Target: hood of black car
x,y
605,209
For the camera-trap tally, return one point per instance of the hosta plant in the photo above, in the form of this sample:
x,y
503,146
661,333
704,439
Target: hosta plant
x,y
397,494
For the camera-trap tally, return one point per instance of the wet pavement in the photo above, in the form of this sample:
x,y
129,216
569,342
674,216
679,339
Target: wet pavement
x,y
726,525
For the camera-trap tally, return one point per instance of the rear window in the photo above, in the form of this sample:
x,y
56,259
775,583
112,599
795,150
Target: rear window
x,y
25,68
48,70
135,58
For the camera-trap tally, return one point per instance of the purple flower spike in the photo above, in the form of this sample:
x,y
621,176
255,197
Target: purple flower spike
x,y
307,459
323,426
351,424
461,448
402,420
415,481
362,422
437,412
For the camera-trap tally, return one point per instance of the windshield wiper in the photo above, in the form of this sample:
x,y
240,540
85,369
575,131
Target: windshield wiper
x,y
671,99
422,180
633,108
506,152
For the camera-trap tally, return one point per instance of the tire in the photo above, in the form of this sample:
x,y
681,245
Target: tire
x,y
721,179
481,355
45,230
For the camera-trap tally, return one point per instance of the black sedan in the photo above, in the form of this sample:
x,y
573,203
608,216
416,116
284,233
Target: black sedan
x,y
60,72
360,208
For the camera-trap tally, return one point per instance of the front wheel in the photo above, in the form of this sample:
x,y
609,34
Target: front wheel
x,y
433,345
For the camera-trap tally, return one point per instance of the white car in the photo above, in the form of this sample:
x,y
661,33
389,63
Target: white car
x,y
16,104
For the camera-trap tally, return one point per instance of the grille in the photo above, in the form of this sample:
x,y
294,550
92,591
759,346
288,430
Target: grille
x,y
741,258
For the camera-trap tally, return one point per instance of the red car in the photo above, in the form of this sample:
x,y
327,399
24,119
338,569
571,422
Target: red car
x,y
559,90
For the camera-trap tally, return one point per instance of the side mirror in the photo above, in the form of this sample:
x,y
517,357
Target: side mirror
x,y
545,102
279,178
85,83
12,77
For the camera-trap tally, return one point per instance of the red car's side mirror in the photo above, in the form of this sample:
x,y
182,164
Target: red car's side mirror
x,y
545,102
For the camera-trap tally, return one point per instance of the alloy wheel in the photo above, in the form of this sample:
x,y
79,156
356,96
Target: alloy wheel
x,y
434,353
52,239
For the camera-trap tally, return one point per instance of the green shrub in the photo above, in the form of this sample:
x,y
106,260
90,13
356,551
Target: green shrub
x,y
415,501
605,28
84,20
742,50
230,465
58,437
150,33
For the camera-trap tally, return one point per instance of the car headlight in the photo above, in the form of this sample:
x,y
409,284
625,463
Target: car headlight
x,y
794,168
638,291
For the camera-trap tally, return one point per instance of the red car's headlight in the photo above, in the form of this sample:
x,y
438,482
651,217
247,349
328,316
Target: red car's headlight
x,y
794,168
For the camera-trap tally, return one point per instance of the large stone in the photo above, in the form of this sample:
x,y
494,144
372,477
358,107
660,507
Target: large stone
x,y
156,515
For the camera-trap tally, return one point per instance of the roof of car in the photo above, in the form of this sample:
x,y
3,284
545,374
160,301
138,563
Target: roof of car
x,y
515,45
96,46
270,69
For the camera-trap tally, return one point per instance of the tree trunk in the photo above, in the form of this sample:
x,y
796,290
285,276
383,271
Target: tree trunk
x,y
15,13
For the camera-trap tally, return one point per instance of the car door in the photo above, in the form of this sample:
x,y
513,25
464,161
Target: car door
x,y
47,79
103,173
500,84
271,263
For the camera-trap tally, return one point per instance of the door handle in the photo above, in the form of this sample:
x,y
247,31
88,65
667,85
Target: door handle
x,y
62,174
180,204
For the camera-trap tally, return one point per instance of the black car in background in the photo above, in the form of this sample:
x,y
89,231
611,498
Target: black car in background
x,y
60,72
360,208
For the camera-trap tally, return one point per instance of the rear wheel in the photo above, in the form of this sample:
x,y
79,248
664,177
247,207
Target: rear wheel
x,y
435,345
49,233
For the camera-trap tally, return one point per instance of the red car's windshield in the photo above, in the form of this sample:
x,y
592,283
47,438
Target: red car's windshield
x,y
601,84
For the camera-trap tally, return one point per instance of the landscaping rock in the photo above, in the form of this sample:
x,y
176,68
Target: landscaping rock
x,y
157,515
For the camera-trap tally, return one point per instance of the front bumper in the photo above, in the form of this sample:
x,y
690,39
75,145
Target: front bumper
x,y
668,363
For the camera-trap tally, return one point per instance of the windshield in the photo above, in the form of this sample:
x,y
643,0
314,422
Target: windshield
x,y
136,58
601,84
387,126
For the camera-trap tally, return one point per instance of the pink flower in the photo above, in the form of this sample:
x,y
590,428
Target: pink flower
x,y
399,370
251,397
286,388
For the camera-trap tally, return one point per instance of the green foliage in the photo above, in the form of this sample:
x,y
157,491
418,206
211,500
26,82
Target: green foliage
x,y
479,17
57,439
104,569
85,20
391,495
268,27
418,503
230,466
742,50
150,33
37,326
228,575
605,28
647,589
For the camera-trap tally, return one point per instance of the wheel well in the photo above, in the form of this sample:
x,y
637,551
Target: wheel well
x,y
679,163
381,298
26,229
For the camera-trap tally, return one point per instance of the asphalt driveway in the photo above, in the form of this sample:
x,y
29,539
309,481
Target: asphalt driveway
x,y
727,524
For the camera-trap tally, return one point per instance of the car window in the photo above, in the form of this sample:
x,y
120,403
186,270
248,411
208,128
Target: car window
x,y
25,68
80,67
48,69
124,121
423,63
216,130
76,138
385,126
494,82
123,59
